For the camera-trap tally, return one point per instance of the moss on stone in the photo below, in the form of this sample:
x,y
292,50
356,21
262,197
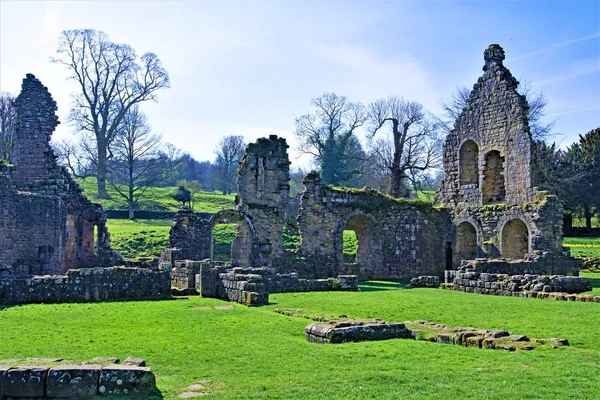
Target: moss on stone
x,y
369,199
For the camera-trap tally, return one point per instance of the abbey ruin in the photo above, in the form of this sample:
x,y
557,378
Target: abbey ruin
x,y
488,214
47,225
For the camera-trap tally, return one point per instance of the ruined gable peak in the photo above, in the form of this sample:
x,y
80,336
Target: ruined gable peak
x,y
493,55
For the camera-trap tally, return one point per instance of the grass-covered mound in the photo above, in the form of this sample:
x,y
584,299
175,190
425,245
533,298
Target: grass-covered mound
x,y
256,353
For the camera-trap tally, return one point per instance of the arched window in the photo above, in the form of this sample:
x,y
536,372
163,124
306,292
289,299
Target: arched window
x,y
466,243
468,165
493,190
515,239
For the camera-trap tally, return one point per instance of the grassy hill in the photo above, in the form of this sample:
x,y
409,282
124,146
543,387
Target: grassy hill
x,y
157,199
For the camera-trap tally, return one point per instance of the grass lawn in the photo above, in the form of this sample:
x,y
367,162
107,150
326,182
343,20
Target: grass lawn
x,y
256,353
583,246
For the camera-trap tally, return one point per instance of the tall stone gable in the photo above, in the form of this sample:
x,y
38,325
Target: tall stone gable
x,y
33,158
487,156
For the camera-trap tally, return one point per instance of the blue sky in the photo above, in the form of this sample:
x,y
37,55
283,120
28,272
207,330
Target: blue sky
x,y
251,68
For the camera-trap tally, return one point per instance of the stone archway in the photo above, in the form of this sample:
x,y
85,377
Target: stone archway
x,y
362,225
493,188
468,163
515,239
466,241
243,249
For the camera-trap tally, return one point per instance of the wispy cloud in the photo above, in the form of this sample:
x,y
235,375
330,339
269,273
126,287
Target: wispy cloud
x,y
574,111
556,46
579,69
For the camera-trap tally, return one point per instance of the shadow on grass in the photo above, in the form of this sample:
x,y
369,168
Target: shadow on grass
x,y
595,282
374,286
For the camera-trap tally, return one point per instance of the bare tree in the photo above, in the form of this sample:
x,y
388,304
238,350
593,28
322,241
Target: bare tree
x,y
537,101
412,144
111,81
136,163
328,135
75,157
7,125
229,151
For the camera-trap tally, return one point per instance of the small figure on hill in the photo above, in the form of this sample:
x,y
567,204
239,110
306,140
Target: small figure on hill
x,y
183,195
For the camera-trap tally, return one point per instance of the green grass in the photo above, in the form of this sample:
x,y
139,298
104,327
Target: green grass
x,y
256,353
140,239
158,199
583,246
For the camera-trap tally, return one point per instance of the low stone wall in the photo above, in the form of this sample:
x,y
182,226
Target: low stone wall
x,y
87,285
425,282
527,285
251,286
546,264
75,381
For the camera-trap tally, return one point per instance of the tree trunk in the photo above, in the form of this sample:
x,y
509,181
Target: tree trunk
x,y
396,189
131,210
101,169
587,212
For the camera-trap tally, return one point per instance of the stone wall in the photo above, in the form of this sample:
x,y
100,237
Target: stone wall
x,y
396,238
492,136
249,286
544,264
87,285
263,194
87,381
525,285
510,230
488,187
47,225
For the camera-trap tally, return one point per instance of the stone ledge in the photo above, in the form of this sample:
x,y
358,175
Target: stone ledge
x,y
75,381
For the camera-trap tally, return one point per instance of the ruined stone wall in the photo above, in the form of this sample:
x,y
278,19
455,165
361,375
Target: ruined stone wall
x,y
47,225
87,285
542,219
263,194
36,119
469,280
396,238
251,286
32,233
190,236
493,125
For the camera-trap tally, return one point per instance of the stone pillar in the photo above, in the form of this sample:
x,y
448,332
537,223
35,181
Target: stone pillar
x,y
263,193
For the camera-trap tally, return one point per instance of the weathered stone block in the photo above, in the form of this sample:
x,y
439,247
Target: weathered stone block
x,y
126,380
73,381
25,382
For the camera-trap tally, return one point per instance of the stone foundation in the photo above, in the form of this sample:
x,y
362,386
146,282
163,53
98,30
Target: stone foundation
x,y
87,285
355,331
359,331
536,286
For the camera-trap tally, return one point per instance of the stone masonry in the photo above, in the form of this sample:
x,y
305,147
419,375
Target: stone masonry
x,y
488,187
397,238
47,225
263,194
